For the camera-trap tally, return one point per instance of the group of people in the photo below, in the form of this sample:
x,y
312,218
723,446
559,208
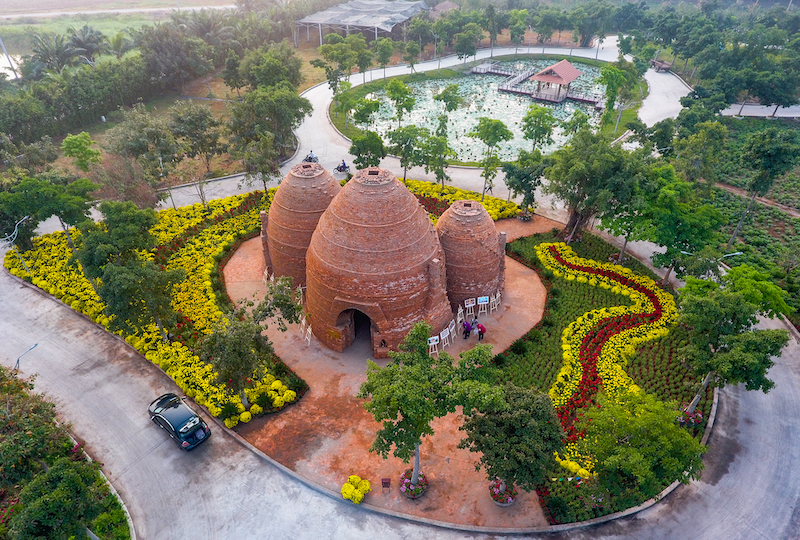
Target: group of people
x,y
474,326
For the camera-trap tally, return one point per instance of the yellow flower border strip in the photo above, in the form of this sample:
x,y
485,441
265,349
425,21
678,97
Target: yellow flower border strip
x,y
51,272
497,208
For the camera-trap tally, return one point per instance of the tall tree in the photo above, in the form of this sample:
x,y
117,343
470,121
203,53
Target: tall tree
x,y
589,175
452,100
523,176
148,139
172,57
491,132
415,389
197,131
338,59
435,154
517,441
680,222
368,150
237,347
724,346
537,125
411,53
698,154
135,290
638,446
88,43
771,152
406,143
384,49
466,42
402,98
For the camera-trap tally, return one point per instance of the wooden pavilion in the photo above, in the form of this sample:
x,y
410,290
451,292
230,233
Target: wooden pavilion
x,y
558,75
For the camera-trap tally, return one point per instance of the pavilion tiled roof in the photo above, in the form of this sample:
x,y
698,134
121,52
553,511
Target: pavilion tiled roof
x,y
561,73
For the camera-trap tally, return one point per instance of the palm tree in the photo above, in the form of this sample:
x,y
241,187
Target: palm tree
x,y
53,52
88,43
119,44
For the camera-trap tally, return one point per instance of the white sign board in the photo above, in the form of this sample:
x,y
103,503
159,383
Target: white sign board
x,y
483,300
433,340
469,302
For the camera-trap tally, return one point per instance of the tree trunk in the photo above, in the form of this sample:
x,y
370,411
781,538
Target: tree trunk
x,y
502,485
684,66
619,116
744,100
699,395
575,223
622,251
415,474
69,236
666,278
244,400
164,336
775,111
739,225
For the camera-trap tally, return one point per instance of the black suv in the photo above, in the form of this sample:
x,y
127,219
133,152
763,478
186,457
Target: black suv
x,y
185,427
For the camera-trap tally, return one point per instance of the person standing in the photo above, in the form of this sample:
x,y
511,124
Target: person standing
x,y
467,329
481,331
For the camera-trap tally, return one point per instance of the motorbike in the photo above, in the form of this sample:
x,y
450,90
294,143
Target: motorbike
x,y
310,159
343,169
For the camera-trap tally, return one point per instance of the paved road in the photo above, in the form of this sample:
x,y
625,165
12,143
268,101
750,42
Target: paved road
x,y
750,488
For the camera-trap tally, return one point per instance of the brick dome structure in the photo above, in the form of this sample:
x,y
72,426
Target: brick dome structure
x,y
302,197
375,253
474,252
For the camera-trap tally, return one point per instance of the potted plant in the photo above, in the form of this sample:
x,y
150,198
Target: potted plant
x,y
502,494
413,491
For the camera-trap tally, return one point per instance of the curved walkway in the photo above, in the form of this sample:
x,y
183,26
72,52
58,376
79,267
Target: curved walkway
x,y
750,488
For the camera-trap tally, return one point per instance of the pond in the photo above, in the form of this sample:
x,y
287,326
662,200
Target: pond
x,y
482,98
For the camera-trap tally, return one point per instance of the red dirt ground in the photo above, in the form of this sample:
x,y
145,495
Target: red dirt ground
x,y
326,435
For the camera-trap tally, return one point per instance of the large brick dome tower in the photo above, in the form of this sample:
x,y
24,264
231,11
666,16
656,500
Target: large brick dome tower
x,y
474,251
302,197
375,253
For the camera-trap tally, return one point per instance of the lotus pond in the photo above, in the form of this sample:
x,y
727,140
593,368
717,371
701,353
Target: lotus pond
x,y
482,98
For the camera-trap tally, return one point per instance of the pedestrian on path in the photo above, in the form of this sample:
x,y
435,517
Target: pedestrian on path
x,y
481,331
467,329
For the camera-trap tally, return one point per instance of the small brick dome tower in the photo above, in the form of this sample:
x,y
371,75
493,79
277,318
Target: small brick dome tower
x,y
375,251
474,251
302,197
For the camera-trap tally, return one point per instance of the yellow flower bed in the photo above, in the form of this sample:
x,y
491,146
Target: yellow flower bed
x,y
497,208
50,271
173,222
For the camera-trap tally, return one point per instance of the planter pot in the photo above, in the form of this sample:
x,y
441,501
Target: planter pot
x,y
417,496
502,504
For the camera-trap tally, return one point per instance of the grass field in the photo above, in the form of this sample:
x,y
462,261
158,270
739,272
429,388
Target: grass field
x,y
19,7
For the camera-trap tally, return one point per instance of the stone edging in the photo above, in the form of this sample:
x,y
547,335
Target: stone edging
x,y
322,490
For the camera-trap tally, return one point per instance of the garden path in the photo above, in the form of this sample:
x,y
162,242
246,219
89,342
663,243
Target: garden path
x,y
326,436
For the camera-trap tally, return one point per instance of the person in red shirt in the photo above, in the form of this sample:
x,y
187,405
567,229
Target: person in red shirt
x,y
481,331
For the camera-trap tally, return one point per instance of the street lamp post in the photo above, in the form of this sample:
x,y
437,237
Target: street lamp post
x,y
11,238
16,366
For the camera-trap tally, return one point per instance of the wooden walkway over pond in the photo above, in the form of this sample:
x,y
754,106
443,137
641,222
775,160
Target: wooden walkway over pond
x,y
514,80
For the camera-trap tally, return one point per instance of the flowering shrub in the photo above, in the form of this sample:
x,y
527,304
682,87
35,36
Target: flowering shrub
x,y
691,419
497,208
505,496
412,490
597,346
355,489
245,417
195,302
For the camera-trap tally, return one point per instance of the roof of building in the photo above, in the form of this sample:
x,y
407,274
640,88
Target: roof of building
x,y
440,9
561,73
379,14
